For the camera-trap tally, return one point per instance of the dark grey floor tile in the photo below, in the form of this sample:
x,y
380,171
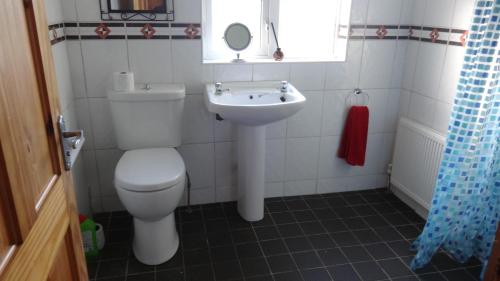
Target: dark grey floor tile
x,y
196,257
317,203
243,236
395,268
254,266
380,251
283,217
193,242
336,202
273,247
288,276
356,254
401,248
266,221
218,239
429,268
217,225
170,275
92,268
112,268
289,230
223,253
458,274
199,272
281,263
366,236
365,210
215,212
355,223
332,257
193,228
408,231
175,262
388,233
115,251
354,199
345,238
277,206
345,212
376,221
444,262
305,260
335,225
299,204
142,277
317,274
310,228
267,232
396,219
343,273
304,215
134,266
321,241
431,277
325,214
384,208
369,271
260,278
248,250
227,270
298,244
236,223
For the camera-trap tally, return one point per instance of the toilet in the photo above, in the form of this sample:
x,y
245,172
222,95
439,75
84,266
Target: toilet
x,y
151,175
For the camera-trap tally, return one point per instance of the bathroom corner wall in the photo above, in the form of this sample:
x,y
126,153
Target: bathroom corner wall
x,y
55,19
434,60
301,151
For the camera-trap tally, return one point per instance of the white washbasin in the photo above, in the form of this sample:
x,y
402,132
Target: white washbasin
x,y
253,103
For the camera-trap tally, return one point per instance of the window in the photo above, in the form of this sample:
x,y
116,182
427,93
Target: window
x,y
313,30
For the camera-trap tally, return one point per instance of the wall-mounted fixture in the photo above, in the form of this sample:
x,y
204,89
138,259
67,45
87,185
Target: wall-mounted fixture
x,y
137,10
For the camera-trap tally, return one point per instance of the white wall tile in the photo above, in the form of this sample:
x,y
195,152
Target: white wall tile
x,y
451,73
404,103
187,66
274,189
76,68
442,117
294,188
200,164
69,10
301,158
106,164
225,164
87,10
91,173
53,10
102,58
421,109
462,17
188,11
384,12
439,13
60,56
271,72
84,122
392,111
225,131
198,123
376,67
112,203
308,76
429,68
410,64
418,12
150,60
345,75
226,194
398,66
359,11
82,191
102,126
334,112
275,160
378,107
233,72
307,122
407,12
276,130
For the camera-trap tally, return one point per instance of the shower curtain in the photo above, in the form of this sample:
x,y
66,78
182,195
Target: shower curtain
x,y
465,207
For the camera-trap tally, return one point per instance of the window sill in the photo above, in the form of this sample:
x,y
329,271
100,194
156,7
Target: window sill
x,y
266,60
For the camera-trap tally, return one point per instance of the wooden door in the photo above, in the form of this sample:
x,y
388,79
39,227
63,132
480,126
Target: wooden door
x,y
493,271
39,229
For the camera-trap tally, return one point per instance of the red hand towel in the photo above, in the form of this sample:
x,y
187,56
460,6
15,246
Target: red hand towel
x,y
353,143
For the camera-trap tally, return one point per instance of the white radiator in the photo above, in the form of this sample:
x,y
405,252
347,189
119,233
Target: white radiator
x,y
417,155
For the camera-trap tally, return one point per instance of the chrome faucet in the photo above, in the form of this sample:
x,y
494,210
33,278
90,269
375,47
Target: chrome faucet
x,y
283,90
218,88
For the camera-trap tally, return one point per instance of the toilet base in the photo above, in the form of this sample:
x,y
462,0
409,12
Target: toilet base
x,y
155,242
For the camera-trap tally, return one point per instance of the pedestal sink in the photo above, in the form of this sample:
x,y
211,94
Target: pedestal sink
x,y
252,105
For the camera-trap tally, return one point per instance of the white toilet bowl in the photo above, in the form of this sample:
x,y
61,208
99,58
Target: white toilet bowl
x,y
150,183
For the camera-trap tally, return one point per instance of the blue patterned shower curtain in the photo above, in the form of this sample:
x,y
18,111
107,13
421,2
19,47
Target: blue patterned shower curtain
x,y
466,204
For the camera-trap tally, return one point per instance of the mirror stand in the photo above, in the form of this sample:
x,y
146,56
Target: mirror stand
x,y
238,59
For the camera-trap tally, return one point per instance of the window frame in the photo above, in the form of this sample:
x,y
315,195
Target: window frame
x,y
270,13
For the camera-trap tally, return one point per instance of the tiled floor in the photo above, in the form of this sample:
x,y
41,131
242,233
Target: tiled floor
x,y
343,237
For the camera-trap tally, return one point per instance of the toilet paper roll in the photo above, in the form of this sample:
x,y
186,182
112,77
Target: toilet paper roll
x,y
123,81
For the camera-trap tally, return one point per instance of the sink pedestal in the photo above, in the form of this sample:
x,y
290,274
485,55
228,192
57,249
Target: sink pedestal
x,y
251,171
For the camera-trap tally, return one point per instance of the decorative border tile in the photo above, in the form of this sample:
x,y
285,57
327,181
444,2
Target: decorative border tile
x,y
56,33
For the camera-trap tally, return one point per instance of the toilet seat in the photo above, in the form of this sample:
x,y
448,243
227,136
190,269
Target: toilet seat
x,y
149,170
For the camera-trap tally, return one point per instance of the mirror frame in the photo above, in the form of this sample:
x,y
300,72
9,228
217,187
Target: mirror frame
x,y
137,11
246,29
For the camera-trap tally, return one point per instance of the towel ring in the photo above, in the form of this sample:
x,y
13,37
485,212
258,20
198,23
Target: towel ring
x,y
357,92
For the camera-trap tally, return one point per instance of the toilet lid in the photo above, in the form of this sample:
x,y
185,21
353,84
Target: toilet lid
x,y
146,170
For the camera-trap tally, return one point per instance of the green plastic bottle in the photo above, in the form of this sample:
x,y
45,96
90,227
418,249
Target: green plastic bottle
x,y
88,229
